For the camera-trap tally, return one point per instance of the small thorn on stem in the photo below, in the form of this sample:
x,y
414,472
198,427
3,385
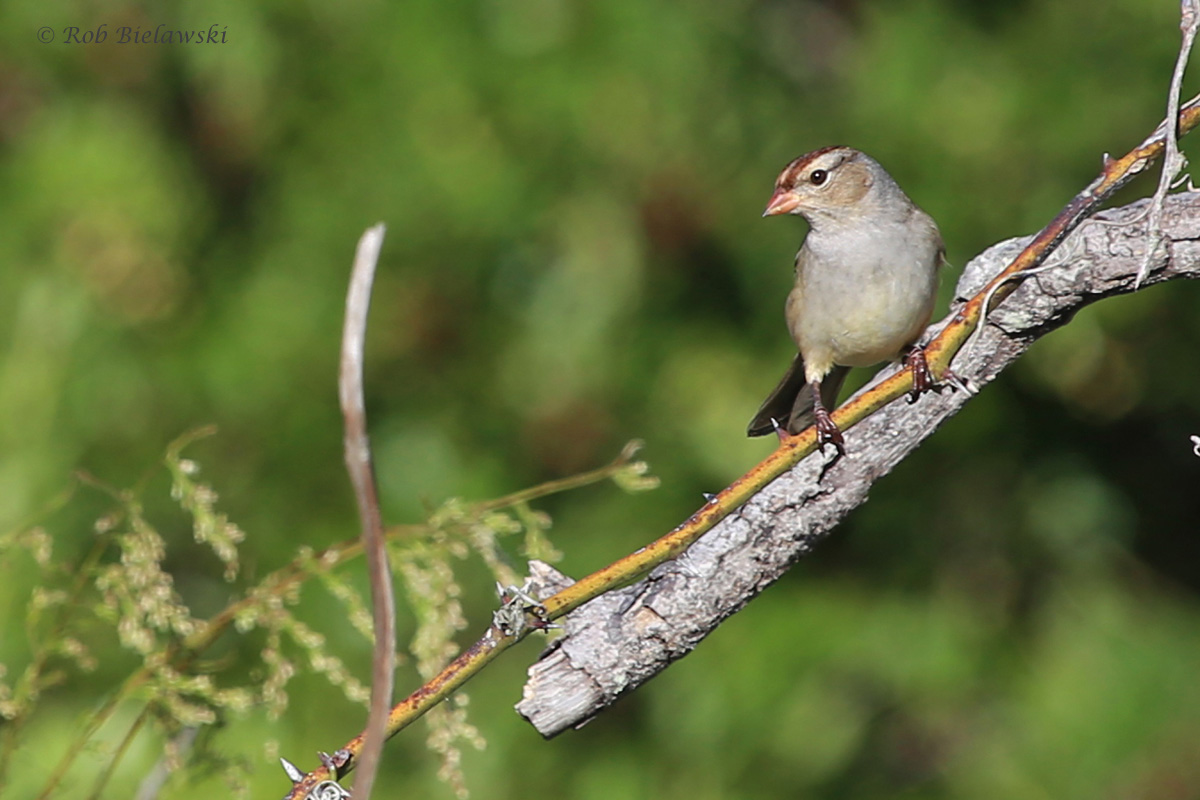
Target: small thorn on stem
x,y
293,772
951,379
336,761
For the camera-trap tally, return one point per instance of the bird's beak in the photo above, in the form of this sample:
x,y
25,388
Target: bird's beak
x,y
782,202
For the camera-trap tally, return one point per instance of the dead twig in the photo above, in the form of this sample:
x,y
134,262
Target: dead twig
x,y
621,677
1174,161
362,476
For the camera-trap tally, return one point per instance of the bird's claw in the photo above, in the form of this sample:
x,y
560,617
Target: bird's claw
x,y
828,432
922,376
923,380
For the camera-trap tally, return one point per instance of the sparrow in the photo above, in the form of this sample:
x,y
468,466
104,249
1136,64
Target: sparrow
x,y
866,279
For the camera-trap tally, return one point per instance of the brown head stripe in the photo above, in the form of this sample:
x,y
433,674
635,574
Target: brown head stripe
x,y
794,171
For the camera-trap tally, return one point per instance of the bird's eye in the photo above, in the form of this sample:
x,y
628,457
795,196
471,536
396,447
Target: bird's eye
x,y
818,177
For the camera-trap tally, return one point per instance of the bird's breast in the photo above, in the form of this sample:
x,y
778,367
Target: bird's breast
x,y
862,304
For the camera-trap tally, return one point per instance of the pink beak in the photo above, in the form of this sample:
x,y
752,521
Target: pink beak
x,y
782,202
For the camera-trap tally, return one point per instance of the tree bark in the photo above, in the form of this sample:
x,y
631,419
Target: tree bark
x,y
620,640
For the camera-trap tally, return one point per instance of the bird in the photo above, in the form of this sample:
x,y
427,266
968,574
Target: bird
x,y
866,279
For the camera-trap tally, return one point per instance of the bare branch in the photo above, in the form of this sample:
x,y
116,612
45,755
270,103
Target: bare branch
x,y
1174,161
362,476
495,640
668,552
618,641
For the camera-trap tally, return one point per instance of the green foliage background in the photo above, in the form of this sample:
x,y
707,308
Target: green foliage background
x,y
575,258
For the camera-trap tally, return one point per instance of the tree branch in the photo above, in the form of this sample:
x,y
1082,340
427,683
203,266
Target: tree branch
x,y
620,640
362,475
517,618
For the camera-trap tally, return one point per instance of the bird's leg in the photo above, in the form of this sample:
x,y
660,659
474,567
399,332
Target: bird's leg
x,y
922,377
827,429
923,380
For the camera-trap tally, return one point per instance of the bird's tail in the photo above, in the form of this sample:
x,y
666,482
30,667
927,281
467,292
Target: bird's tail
x,y
791,404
